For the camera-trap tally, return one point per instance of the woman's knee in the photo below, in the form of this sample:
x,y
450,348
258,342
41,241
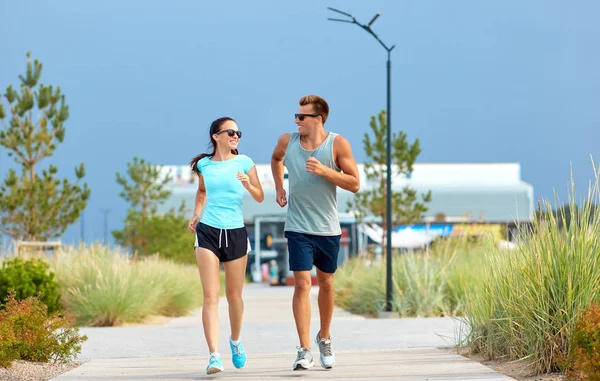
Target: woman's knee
x,y
233,296
211,299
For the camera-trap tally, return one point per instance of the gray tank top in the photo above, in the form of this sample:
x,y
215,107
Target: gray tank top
x,y
312,199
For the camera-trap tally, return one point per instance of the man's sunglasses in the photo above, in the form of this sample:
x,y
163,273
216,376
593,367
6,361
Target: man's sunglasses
x,y
301,117
232,133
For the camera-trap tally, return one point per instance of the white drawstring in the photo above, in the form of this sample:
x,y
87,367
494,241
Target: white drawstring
x,y
226,243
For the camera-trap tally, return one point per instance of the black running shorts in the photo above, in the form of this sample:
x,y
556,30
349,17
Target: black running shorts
x,y
227,244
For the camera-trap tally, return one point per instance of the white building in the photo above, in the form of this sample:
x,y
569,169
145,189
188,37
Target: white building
x,y
469,192
473,192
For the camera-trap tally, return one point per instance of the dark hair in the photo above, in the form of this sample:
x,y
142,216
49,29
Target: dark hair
x,y
214,128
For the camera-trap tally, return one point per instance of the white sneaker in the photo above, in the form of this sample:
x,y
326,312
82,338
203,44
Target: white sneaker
x,y
304,360
326,352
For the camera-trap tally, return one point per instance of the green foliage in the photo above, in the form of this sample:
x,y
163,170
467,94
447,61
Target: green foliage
x,y
164,234
428,283
585,346
104,287
525,306
406,206
145,187
28,333
29,278
35,207
564,214
147,232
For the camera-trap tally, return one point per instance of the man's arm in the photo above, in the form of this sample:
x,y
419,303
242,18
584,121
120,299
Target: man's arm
x,y
348,179
277,168
277,160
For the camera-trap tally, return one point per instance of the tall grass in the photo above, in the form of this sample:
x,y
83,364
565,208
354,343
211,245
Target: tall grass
x,y
427,283
104,287
526,304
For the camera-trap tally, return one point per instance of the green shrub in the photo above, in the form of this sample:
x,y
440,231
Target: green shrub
x,y
165,234
360,288
28,333
105,287
179,289
525,306
431,282
585,346
29,277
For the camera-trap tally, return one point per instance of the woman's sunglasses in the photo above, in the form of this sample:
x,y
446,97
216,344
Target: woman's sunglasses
x,y
301,117
232,133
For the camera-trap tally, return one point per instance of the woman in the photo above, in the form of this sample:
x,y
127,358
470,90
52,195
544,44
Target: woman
x,y
221,236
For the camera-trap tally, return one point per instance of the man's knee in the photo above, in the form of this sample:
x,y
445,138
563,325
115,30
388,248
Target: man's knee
x,y
302,284
325,281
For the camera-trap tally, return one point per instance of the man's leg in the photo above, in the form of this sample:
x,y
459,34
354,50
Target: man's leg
x,y
326,262
326,302
301,306
301,251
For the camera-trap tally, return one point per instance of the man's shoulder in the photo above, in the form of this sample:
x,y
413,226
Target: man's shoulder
x,y
286,138
339,139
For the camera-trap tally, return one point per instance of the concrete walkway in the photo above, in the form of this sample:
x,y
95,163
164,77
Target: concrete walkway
x,y
366,349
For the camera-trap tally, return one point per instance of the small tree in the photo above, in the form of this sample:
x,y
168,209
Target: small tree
x,y
406,208
35,207
147,232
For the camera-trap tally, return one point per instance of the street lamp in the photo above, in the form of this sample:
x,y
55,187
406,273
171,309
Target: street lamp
x,y
105,212
82,228
388,201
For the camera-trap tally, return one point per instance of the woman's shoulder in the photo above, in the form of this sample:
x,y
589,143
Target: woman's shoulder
x,y
244,158
203,162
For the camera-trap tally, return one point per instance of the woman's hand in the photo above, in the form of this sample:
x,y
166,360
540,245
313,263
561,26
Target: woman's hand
x,y
192,224
244,179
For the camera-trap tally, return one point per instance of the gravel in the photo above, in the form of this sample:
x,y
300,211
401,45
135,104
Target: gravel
x,y
34,371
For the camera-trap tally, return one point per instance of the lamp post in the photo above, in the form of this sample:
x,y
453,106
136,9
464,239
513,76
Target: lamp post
x,y
105,212
388,201
82,228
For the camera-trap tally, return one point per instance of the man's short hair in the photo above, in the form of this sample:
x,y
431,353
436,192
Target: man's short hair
x,y
319,104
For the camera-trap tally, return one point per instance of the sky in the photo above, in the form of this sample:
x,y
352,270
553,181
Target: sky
x,y
474,81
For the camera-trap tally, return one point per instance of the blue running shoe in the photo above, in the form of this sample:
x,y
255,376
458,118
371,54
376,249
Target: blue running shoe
x,y
238,355
214,365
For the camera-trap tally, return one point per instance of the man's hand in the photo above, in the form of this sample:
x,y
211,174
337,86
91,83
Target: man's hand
x,y
314,166
281,199
192,224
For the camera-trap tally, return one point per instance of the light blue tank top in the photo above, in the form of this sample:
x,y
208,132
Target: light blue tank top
x,y
224,192
312,200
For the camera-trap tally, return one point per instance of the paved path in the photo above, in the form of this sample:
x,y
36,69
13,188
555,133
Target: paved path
x,y
373,349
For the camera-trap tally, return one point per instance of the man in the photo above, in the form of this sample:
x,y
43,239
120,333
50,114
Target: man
x,y
317,162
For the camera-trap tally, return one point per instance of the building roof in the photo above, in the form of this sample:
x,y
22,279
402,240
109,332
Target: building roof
x,y
489,192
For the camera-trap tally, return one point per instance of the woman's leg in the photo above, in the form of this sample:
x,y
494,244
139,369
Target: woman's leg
x,y
235,272
208,265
